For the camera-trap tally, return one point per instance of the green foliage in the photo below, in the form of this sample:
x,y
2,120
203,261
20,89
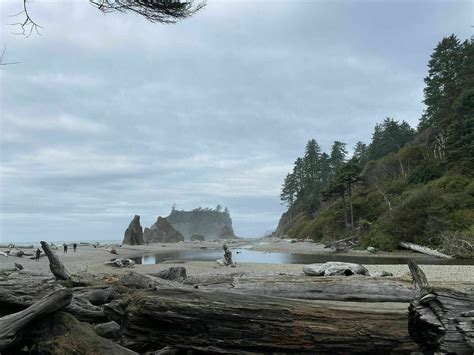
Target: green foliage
x,y
379,239
422,174
389,137
405,185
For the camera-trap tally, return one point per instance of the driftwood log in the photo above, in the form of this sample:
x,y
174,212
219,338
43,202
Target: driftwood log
x,y
424,250
11,324
221,322
441,320
360,289
56,266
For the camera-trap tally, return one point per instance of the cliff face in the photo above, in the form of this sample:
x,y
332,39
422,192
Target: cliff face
x,y
212,224
134,233
162,232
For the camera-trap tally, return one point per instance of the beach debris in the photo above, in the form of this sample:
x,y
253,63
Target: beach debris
x,y
12,324
372,250
334,268
341,245
120,262
227,261
59,270
175,273
440,320
18,266
113,251
168,350
3,253
109,330
381,274
18,253
424,250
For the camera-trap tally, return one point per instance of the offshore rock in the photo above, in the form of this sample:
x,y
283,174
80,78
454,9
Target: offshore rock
x,y
162,232
134,233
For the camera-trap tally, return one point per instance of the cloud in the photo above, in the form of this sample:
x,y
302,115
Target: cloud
x,y
61,122
109,116
66,80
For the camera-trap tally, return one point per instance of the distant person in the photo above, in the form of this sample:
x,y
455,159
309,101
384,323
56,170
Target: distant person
x,y
74,246
37,254
65,248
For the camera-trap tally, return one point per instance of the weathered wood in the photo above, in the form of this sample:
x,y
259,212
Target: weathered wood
x,y
109,330
360,289
335,268
222,322
423,250
95,295
441,320
62,334
56,266
175,273
11,324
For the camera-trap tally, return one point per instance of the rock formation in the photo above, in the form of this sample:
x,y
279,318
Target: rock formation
x,y
134,233
226,232
162,232
204,221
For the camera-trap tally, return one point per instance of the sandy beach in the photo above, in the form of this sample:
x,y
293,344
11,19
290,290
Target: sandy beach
x,y
91,260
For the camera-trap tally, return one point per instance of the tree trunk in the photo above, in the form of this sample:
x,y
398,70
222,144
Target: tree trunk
x,y
423,250
441,320
346,222
11,324
350,204
56,266
221,322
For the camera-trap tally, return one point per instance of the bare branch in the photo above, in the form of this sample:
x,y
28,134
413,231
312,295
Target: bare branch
x,y
157,11
3,56
28,25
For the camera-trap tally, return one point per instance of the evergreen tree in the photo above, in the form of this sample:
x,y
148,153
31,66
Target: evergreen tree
x,y
361,152
311,161
460,130
325,165
338,157
442,84
388,137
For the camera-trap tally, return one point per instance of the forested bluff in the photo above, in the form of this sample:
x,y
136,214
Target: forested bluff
x,y
407,184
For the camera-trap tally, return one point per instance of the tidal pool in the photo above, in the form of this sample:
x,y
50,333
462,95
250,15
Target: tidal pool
x,y
245,255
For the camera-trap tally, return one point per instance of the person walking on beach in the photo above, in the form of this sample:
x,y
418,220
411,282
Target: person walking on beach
x,y
74,246
65,248
38,253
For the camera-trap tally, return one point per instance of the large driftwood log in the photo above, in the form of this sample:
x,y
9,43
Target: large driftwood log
x,y
56,266
222,322
11,324
423,250
361,289
441,320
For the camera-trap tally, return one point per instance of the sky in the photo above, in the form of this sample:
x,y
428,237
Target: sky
x,y
108,116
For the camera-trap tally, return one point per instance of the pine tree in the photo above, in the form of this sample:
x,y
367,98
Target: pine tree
x,y
338,157
361,152
442,84
388,137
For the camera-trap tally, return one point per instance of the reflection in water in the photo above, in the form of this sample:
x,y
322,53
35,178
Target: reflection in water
x,y
245,255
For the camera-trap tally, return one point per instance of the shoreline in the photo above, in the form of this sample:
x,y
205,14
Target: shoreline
x,y
91,260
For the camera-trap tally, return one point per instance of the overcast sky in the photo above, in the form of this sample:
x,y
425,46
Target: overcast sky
x,y
107,116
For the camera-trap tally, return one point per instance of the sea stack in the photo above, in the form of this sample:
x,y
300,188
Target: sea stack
x,y
134,233
162,232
